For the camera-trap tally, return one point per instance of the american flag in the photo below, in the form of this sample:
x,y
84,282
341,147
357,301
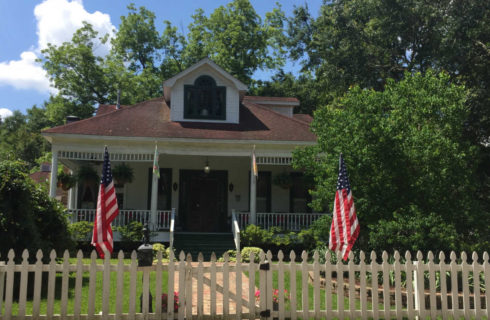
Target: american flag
x,y
345,226
107,210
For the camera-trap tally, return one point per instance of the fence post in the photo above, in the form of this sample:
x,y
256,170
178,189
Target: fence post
x,y
264,267
2,283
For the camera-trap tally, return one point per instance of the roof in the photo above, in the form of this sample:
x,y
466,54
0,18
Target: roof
x,y
152,119
272,99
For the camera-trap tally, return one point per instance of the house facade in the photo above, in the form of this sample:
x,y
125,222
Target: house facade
x,y
205,129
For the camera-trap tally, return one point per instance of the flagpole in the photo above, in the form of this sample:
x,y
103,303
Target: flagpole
x,y
253,189
154,189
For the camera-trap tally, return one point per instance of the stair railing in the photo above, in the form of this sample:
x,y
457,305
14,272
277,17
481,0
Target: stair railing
x,y
172,227
235,228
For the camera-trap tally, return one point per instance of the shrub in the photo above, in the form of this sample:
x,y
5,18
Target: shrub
x,y
247,251
256,236
131,232
159,247
81,231
231,255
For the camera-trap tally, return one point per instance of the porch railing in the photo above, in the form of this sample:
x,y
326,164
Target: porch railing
x,y
285,221
125,217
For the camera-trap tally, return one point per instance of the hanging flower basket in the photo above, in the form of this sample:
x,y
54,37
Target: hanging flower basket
x,y
122,173
87,174
66,181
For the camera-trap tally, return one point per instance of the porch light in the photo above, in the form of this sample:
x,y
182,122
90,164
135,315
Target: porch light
x,y
207,168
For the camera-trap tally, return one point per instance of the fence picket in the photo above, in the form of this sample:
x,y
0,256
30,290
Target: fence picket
x,y
270,288
486,276
200,286
64,284
251,286
352,291
238,286
292,283
386,285
170,285
466,288
119,284
263,284
454,285
409,284
226,286
158,286
280,284
362,289
340,286
304,284
23,285
374,285
328,286
398,293
213,285
51,284
432,285
78,285
188,286
476,284
444,296
9,290
181,270
36,303
132,285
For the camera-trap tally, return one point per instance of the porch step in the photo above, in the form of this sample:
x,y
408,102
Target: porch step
x,y
206,243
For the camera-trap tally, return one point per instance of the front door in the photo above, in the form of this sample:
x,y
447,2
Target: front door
x,y
203,201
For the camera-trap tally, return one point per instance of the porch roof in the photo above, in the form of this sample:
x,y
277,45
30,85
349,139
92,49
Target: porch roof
x,y
152,119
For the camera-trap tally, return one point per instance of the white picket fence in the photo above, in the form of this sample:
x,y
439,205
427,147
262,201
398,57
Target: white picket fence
x,y
226,290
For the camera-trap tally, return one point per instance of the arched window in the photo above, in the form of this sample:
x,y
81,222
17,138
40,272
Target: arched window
x,y
204,100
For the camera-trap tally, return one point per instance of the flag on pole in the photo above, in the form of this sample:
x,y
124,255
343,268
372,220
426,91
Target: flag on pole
x,y
255,170
107,210
156,169
345,226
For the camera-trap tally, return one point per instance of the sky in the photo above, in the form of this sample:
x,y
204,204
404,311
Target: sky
x,y
27,27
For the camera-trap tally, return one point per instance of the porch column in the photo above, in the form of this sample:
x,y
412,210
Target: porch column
x,y
154,198
54,173
253,195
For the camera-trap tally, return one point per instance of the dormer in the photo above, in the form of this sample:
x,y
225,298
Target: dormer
x,y
204,93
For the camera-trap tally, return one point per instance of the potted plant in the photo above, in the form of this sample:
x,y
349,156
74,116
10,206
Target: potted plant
x,y
66,181
87,174
122,173
284,180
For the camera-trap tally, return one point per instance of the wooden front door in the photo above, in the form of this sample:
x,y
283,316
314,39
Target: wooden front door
x,y
203,200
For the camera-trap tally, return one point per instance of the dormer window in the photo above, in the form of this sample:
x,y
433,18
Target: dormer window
x,y
204,100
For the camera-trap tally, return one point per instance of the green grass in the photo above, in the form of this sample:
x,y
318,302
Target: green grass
x,y
98,291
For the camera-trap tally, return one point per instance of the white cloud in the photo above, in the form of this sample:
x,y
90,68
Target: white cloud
x,y
25,73
57,20
4,113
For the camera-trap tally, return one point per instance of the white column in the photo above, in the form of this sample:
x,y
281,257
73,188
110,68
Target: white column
x,y
154,199
54,173
253,195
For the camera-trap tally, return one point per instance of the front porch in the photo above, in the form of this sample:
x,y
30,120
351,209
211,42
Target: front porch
x,y
201,201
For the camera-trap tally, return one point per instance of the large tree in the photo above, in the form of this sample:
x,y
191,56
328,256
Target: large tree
x,y
412,170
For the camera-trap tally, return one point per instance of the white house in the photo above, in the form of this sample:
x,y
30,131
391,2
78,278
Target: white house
x,y
204,119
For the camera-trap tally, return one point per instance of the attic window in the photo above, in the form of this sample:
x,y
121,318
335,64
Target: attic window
x,y
204,100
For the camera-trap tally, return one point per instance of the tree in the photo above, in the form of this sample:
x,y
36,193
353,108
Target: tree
x,y
29,218
407,157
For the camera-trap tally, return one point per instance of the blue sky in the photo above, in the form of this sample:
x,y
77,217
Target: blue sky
x,y
27,26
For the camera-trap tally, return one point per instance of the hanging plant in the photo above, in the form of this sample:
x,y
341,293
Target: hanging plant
x,y
284,180
87,174
122,173
66,181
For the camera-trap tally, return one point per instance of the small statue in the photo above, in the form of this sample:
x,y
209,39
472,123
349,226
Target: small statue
x,y
146,235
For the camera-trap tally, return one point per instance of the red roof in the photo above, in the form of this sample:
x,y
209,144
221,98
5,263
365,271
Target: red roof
x,y
272,99
152,119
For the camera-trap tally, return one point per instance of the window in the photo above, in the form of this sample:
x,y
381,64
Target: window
x,y
204,100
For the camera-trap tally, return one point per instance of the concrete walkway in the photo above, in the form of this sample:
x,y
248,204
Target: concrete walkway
x,y
206,298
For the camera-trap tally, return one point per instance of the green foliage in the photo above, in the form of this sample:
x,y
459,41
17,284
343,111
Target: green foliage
x,y
87,174
123,173
231,256
247,251
81,230
255,236
29,218
159,247
66,180
404,148
132,232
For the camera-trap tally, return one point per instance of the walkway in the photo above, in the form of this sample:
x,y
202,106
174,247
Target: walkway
x,y
219,291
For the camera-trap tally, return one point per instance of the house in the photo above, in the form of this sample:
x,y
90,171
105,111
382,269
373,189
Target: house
x,y
206,129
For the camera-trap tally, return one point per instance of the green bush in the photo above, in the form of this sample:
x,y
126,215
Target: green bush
x,y
231,255
160,247
256,236
245,253
29,218
132,232
81,231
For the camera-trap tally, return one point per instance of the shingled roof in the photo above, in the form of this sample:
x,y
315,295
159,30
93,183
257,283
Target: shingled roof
x,y
152,119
